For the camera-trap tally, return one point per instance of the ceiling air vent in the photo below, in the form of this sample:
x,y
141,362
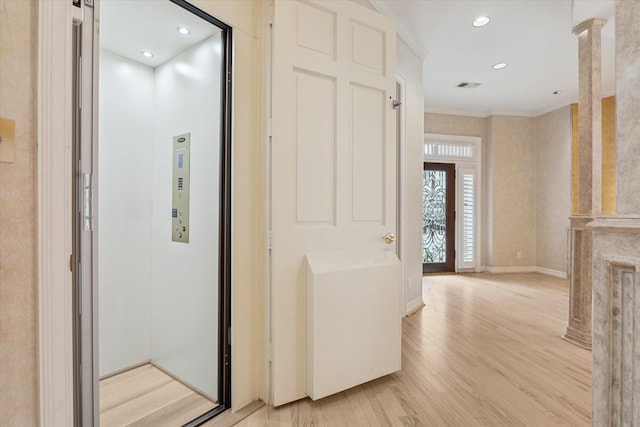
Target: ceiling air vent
x,y
469,85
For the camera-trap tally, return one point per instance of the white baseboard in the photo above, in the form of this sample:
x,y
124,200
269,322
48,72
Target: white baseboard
x,y
504,270
549,272
541,270
414,305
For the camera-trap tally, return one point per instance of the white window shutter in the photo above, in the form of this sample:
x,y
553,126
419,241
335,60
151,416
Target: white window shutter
x,y
468,217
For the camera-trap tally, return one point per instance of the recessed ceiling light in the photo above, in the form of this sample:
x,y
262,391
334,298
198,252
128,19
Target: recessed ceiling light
x,y
557,92
481,21
147,54
184,31
500,66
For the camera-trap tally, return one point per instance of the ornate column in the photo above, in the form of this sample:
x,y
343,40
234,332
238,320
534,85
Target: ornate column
x,y
589,180
616,248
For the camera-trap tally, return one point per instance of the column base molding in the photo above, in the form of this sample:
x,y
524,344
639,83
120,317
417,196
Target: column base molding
x,y
577,337
578,330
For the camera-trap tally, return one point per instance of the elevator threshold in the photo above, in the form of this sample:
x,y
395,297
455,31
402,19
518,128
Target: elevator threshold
x,y
147,396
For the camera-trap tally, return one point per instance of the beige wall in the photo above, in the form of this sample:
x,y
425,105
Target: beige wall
x,y
448,124
526,185
18,290
553,188
511,178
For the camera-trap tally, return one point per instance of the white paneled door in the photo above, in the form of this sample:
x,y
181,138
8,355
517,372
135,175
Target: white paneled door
x,y
333,162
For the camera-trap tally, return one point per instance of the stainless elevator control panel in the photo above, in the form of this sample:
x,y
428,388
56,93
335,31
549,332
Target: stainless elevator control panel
x,y
180,188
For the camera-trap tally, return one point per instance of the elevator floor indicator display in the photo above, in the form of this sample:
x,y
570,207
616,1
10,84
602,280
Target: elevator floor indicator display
x,y
180,188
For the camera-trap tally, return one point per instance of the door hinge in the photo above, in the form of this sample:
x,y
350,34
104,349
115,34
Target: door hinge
x,y
87,202
269,127
269,351
269,238
71,262
79,88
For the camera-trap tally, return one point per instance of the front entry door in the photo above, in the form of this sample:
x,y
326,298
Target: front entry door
x,y
438,217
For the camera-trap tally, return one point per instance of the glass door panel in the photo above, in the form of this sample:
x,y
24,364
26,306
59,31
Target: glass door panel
x,y
438,217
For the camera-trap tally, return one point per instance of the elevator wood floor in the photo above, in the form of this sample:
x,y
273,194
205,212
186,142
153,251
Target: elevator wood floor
x,y
147,397
484,351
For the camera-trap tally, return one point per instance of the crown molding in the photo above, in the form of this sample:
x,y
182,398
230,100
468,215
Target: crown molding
x,y
383,8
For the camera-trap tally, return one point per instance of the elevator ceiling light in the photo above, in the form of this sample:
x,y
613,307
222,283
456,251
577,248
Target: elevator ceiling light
x,y
184,31
500,66
481,21
147,54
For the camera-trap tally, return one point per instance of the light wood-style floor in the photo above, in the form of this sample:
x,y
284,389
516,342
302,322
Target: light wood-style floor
x,y
485,350
147,397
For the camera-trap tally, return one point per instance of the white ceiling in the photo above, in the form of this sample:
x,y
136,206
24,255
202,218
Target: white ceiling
x,y
533,36
127,27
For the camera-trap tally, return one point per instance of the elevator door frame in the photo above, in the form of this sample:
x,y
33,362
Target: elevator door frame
x,y
84,261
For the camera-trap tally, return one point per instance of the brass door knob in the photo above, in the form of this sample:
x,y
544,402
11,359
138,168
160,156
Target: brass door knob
x,y
389,238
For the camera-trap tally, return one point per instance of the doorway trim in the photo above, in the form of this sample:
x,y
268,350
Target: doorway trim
x,y
54,195
401,184
462,161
